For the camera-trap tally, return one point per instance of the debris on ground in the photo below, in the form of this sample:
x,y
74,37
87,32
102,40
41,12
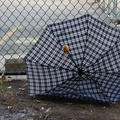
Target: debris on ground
x,y
15,104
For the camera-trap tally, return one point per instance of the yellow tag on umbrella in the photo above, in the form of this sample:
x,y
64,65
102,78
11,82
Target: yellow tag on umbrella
x,y
65,48
65,54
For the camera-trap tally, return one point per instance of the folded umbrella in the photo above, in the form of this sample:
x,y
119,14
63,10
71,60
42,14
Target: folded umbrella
x,y
78,58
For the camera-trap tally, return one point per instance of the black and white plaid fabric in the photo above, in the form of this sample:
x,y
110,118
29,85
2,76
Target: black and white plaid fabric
x,y
92,70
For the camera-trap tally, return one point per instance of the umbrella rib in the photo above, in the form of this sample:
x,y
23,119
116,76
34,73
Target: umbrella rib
x,y
97,84
74,62
60,68
104,72
85,46
59,86
97,61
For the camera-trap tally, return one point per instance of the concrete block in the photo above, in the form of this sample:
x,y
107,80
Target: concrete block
x,y
14,65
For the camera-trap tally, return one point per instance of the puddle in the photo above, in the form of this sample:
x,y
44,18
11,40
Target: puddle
x,y
6,114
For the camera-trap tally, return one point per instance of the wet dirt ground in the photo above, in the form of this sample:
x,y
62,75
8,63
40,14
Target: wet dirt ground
x,y
15,104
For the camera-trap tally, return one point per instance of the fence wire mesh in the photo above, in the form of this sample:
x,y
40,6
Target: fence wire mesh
x,y
23,21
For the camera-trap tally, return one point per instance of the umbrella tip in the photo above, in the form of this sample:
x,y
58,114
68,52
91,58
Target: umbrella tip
x,y
65,48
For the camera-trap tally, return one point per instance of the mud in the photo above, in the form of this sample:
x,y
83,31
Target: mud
x,y
15,104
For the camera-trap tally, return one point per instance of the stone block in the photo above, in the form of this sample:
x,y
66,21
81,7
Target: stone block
x,y
14,65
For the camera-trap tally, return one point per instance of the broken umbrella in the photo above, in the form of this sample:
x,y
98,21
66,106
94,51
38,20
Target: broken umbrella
x,y
78,58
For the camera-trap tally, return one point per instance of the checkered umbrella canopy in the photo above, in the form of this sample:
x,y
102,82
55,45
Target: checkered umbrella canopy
x,y
90,69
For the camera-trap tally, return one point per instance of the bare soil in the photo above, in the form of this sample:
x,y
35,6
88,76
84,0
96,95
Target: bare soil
x,y
15,104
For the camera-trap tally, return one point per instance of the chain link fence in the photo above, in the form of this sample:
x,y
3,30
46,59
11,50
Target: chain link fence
x,y
23,21
112,6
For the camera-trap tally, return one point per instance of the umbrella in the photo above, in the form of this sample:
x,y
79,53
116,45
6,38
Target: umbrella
x,y
78,58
